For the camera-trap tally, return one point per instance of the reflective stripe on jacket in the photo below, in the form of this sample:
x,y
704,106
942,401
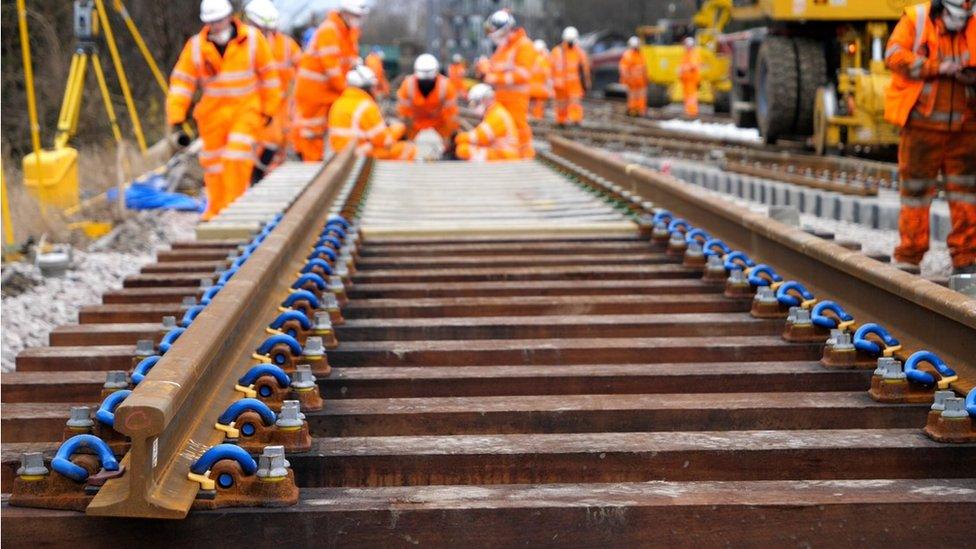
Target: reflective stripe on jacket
x,y
633,69
356,118
567,65
331,53
440,105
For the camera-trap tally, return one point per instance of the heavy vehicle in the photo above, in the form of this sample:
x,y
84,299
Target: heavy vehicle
x,y
663,49
813,69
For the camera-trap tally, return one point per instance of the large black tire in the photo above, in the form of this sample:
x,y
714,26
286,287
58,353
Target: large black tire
x,y
741,118
812,64
657,96
722,102
776,84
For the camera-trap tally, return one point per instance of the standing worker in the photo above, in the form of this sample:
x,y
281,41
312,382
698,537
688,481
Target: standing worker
x,y
427,100
240,91
355,119
570,77
509,71
932,56
331,53
496,137
633,75
375,63
540,89
263,15
690,74
455,73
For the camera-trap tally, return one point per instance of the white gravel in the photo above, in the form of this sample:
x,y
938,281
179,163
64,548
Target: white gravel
x,y
712,129
33,305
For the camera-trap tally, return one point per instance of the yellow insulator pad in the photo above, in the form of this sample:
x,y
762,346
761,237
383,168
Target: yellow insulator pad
x,y
775,285
891,350
273,331
249,392
845,325
261,358
206,483
229,429
808,303
944,382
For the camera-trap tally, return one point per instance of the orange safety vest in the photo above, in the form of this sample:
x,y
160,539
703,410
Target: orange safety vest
x,y
331,53
243,79
510,69
287,54
690,68
455,73
356,118
374,62
567,63
437,107
909,55
540,86
633,69
496,135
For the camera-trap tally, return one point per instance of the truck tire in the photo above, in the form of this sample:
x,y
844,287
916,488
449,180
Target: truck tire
x,y
812,66
776,83
657,96
742,118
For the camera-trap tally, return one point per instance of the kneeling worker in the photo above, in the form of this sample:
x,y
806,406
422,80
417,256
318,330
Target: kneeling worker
x,y
355,119
427,100
496,137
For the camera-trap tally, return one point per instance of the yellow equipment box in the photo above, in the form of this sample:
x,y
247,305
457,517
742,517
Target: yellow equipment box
x,y
54,180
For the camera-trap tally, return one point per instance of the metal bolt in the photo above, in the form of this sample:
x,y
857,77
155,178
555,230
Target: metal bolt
x,y
342,270
765,294
938,404
169,322
80,418
32,464
116,379
694,248
335,284
799,316
677,237
291,415
884,362
715,263
329,301
839,340
323,322
145,347
892,370
272,463
955,408
303,378
736,276
660,229
189,301
313,347
205,283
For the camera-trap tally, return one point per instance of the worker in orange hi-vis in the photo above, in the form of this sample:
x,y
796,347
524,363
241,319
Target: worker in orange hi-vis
x,y
932,57
509,71
540,87
355,120
232,67
690,74
427,100
633,75
375,63
481,67
455,73
496,137
329,55
570,77
263,15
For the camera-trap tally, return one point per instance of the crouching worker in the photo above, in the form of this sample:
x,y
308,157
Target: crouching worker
x,y
496,137
355,120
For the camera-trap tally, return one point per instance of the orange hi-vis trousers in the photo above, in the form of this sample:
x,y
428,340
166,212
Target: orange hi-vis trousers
x,y
922,155
227,158
690,90
637,100
537,108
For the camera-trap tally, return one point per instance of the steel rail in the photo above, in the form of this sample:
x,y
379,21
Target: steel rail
x,y
921,313
171,414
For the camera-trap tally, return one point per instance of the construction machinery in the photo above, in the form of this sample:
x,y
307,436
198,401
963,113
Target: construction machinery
x,y
813,69
663,51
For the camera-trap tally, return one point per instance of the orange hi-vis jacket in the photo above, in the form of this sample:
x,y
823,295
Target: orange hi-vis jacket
x,y
356,119
243,79
455,73
374,62
287,54
567,65
918,95
540,86
438,109
690,68
509,71
331,53
633,69
495,138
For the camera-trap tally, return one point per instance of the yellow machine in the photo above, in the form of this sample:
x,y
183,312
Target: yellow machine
x,y
663,51
814,69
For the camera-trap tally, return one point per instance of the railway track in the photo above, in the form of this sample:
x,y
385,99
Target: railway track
x,y
524,358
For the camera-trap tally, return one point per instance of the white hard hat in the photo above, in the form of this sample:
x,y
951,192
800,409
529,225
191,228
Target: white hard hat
x,y
540,45
633,42
379,53
570,34
262,13
361,77
480,93
457,58
355,7
215,10
499,24
689,42
426,67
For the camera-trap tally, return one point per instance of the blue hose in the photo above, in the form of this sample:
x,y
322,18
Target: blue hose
x,y
818,317
310,277
169,339
265,370
334,230
924,378
300,295
662,216
226,275
320,263
62,460
342,221
247,405
762,268
211,293
221,452
678,224
697,234
868,346
106,412
971,403
293,345
141,369
280,320
710,246
789,300
738,260
323,250
329,240
190,315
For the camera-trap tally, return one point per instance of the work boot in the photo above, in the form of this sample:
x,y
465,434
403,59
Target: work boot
x,y
910,268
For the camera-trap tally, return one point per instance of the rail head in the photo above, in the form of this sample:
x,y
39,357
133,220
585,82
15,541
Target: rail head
x,y
170,415
924,314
